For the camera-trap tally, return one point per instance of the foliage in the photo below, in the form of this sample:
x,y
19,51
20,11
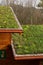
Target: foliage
x,y
7,19
40,4
27,15
31,41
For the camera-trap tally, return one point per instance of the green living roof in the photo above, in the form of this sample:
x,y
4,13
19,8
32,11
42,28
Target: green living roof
x,y
31,42
7,19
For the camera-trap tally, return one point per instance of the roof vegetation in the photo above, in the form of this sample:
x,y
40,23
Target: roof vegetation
x,y
7,19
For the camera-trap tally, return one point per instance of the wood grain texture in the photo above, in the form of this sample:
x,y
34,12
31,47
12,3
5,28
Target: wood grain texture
x,y
5,40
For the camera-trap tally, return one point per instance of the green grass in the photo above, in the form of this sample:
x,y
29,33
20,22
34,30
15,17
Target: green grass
x,y
31,41
7,19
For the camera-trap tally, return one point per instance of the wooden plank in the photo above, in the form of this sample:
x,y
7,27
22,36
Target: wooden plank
x,y
11,30
27,57
5,40
3,47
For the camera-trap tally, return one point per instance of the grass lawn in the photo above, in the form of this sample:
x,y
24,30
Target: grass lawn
x,y
31,41
7,19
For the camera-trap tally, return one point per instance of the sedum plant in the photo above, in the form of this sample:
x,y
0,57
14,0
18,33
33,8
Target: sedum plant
x,y
7,19
31,41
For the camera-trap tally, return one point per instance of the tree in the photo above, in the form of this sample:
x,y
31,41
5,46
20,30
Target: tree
x,y
40,4
29,3
7,2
